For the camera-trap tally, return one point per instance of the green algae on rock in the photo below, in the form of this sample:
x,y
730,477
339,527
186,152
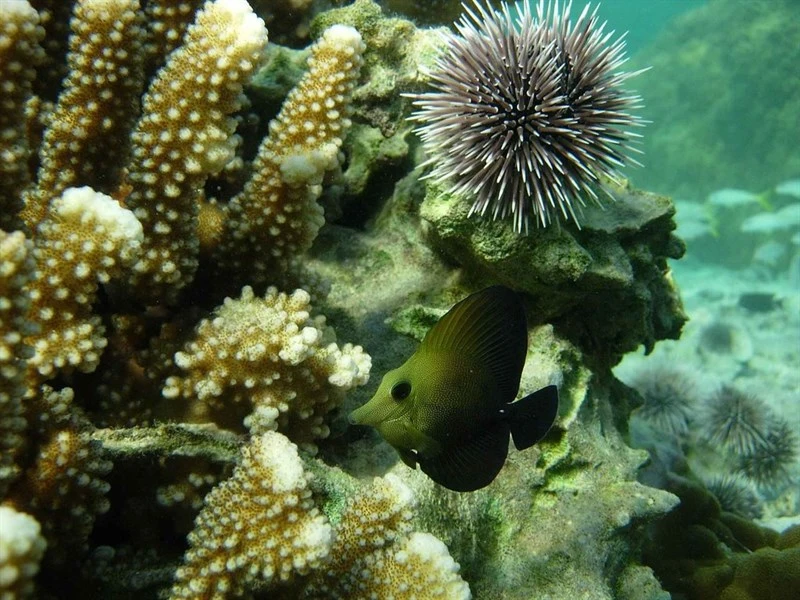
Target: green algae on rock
x,y
607,284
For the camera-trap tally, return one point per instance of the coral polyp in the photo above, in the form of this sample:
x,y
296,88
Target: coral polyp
x,y
528,111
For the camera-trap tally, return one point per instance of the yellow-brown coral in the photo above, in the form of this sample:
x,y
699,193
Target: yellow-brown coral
x,y
21,550
63,486
276,216
16,270
257,528
375,555
20,35
269,355
86,140
86,240
185,134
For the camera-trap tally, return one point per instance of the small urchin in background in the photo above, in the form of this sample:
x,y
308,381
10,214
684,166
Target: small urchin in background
x,y
735,420
669,396
529,111
770,463
735,495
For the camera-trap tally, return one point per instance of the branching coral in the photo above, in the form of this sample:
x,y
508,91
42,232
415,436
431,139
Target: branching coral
x,y
20,35
86,240
271,355
258,527
84,143
16,270
62,485
376,555
276,216
21,549
185,134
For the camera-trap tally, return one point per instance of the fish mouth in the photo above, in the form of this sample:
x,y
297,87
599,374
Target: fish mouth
x,y
375,414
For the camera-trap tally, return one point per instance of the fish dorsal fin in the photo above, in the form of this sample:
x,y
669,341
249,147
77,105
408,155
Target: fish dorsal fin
x,y
531,417
471,464
489,327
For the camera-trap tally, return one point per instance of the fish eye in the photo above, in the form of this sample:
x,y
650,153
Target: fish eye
x,y
401,390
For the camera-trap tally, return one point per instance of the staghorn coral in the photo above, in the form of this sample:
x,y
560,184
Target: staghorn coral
x,y
375,554
276,216
373,519
258,527
20,35
167,21
184,135
270,356
85,141
21,550
418,567
86,240
62,483
16,270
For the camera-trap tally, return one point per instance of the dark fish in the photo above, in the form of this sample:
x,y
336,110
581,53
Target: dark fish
x,y
451,407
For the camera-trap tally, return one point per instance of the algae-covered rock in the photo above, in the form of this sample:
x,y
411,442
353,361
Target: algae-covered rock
x,y
721,99
606,285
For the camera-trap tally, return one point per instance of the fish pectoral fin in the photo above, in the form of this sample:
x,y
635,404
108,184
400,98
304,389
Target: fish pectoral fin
x,y
531,417
471,464
408,456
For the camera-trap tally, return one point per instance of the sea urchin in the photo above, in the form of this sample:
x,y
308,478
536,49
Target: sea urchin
x,y
528,112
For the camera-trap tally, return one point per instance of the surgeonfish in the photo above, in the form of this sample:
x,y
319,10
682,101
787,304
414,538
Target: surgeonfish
x,y
450,407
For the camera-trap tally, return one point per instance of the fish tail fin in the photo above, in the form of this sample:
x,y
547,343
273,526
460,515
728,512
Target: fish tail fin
x,y
531,417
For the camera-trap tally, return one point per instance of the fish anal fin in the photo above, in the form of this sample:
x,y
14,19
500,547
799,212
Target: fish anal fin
x,y
531,417
472,464
409,457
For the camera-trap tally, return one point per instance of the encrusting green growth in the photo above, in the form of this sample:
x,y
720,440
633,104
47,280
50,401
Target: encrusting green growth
x,y
269,359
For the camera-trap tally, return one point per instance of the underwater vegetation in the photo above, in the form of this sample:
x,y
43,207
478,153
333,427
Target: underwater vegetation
x,y
529,112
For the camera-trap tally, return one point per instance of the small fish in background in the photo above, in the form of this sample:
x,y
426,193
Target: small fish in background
x,y
450,407
789,188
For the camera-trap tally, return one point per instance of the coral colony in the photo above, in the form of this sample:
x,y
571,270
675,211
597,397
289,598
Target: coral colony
x,y
528,112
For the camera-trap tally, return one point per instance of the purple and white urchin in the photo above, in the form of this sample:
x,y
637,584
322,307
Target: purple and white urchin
x,y
528,111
